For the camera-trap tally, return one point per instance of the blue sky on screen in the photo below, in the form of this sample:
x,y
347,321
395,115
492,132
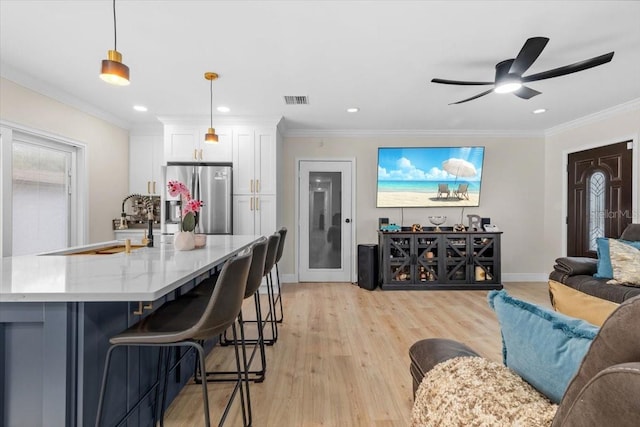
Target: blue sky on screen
x,y
425,163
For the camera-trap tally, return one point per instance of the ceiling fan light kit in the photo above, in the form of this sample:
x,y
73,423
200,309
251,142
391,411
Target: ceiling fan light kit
x,y
211,136
113,71
509,78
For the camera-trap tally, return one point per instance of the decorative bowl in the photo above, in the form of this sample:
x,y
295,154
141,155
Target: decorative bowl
x,y
437,221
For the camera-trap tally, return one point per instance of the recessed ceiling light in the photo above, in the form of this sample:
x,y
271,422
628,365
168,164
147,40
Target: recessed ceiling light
x,y
539,111
353,110
140,108
223,109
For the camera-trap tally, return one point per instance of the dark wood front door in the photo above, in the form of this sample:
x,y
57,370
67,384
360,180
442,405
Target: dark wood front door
x,y
599,196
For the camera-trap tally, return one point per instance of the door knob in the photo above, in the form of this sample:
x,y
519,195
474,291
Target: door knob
x,y
347,220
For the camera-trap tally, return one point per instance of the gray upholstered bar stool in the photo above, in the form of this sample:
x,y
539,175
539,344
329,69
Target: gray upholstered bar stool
x,y
270,261
283,235
183,323
269,318
256,272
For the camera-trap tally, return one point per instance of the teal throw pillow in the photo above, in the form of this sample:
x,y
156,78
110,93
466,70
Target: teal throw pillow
x,y
605,270
542,346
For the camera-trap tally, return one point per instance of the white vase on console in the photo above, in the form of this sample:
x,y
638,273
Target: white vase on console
x,y
184,241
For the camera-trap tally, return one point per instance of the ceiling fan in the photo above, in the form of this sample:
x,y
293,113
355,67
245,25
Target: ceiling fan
x,y
509,78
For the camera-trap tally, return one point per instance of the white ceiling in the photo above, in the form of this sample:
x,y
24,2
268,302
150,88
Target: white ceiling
x,y
376,55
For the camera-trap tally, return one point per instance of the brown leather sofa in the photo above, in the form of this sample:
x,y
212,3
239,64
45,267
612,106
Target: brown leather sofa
x,y
604,392
575,292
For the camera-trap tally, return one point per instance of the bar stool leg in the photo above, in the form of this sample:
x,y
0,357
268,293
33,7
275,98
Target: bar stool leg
x,y
103,387
272,312
245,371
279,298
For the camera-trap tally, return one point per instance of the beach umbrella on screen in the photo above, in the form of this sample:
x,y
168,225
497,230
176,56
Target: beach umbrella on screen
x,y
459,168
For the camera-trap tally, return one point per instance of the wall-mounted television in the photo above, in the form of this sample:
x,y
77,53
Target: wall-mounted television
x,y
424,177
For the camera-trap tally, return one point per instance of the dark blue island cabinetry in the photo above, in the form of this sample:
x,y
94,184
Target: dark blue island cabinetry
x,y
58,312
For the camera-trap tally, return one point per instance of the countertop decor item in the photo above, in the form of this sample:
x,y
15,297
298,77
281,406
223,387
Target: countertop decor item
x,y
184,239
200,240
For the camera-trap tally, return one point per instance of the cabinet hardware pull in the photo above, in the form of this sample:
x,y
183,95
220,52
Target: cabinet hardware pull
x,y
139,310
257,204
148,187
251,185
257,185
142,307
201,154
251,204
154,187
195,154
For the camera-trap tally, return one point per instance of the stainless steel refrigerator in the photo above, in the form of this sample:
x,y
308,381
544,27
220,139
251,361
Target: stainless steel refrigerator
x,y
209,182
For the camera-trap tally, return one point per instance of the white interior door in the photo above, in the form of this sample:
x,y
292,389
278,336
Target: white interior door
x,y
326,238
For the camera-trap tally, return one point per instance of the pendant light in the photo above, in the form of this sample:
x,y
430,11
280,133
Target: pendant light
x,y
113,70
211,133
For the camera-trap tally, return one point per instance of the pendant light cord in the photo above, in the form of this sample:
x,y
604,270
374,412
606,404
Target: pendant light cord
x,y
210,110
115,33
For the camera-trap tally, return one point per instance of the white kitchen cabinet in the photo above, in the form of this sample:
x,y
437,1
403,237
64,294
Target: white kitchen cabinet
x,y
254,214
254,161
145,164
186,144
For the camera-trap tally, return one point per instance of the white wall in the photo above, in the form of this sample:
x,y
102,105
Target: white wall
x,y
512,193
107,149
606,128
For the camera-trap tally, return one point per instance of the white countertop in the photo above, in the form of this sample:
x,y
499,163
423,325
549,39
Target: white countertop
x,y
145,274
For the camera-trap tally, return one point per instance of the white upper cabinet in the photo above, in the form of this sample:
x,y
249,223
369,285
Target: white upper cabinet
x,y
186,144
254,161
145,164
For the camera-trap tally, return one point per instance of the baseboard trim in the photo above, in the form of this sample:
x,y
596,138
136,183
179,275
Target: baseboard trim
x,y
524,277
506,277
288,278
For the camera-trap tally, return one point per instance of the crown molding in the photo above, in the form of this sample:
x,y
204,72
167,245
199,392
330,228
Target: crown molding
x,y
41,87
370,133
202,120
632,105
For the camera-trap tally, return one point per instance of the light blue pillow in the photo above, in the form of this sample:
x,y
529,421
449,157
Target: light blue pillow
x,y
605,270
542,346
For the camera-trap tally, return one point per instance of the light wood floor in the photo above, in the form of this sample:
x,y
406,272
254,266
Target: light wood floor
x,y
342,355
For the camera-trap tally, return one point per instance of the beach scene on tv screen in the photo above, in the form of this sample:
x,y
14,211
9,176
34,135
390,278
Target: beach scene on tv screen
x,y
429,176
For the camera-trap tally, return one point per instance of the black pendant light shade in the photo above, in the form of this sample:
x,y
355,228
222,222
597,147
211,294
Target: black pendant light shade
x,y
113,71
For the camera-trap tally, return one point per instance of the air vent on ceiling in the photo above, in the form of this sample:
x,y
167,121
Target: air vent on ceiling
x,y
296,100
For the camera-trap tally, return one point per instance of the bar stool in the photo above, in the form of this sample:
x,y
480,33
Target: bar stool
x,y
272,251
256,272
183,323
269,318
283,235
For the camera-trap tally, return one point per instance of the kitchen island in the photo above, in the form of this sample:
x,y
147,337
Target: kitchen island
x,y
57,312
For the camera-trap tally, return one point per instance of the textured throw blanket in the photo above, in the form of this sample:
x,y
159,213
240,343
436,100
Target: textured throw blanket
x,y
473,391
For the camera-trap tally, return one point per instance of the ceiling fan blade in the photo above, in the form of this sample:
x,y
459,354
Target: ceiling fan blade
x,y
458,82
526,92
572,68
530,51
473,97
